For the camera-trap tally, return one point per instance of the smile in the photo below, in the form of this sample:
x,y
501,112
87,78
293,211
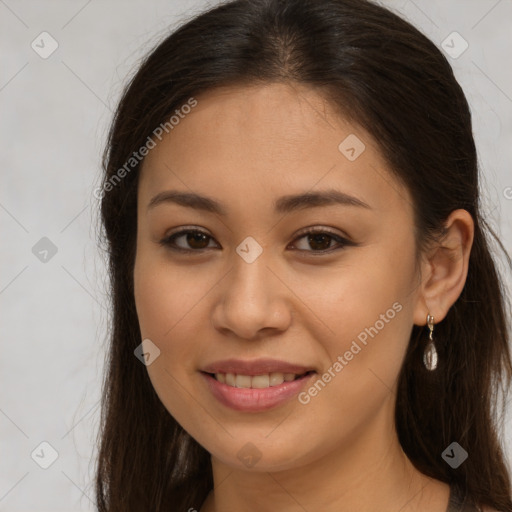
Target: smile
x,y
255,393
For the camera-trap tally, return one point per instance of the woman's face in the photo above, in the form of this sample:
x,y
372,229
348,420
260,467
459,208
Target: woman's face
x,y
258,300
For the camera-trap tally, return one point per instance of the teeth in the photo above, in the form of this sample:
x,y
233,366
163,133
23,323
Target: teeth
x,y
277,378
260,381
255,381
243,381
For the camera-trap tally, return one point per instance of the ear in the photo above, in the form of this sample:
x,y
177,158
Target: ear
x,y
444,269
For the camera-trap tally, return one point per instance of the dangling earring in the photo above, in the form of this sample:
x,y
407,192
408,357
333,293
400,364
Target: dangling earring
x,y
430,354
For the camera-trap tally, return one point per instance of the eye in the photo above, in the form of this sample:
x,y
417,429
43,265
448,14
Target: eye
x,y
320,240
197,240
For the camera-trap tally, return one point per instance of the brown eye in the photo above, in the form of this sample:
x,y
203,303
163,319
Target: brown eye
x,y
197,240
321,241
193,240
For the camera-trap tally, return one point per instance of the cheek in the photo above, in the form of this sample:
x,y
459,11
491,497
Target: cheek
x,y
156,307
164,310
163,295
372,329
369,307
168,300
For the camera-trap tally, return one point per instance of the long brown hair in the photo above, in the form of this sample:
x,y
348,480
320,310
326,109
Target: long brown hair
x,y
385,75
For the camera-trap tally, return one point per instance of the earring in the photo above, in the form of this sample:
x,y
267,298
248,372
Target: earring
x,y
430,354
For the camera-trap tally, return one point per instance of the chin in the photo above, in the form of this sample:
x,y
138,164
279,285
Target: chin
x,y
262,455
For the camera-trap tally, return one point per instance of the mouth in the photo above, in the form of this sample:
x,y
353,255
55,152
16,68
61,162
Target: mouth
x,y
256,386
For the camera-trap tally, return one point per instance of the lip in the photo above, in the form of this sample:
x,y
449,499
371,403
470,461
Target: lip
x,y
253,399
255,367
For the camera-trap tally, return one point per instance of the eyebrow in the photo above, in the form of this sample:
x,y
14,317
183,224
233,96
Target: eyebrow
x,y
284,204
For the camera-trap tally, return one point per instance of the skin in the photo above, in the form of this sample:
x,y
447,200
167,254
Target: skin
x,y
245,147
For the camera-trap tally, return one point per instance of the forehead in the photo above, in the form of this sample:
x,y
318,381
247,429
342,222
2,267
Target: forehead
x,y
245,143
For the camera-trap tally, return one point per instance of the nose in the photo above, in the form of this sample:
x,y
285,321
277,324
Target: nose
x,y
252,301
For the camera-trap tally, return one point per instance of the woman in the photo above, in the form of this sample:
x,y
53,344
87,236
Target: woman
x,y
306,313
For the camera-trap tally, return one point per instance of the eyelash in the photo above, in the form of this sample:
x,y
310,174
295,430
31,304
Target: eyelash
x,y
169,241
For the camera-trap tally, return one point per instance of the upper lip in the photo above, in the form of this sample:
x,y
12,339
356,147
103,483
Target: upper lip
x,y
255,367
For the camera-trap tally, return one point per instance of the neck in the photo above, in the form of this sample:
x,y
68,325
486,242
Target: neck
x,y
369,472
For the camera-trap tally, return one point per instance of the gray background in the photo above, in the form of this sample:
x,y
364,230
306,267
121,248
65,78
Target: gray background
x,y
55,113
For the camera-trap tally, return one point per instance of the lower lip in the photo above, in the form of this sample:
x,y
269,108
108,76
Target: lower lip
x,y
252,399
